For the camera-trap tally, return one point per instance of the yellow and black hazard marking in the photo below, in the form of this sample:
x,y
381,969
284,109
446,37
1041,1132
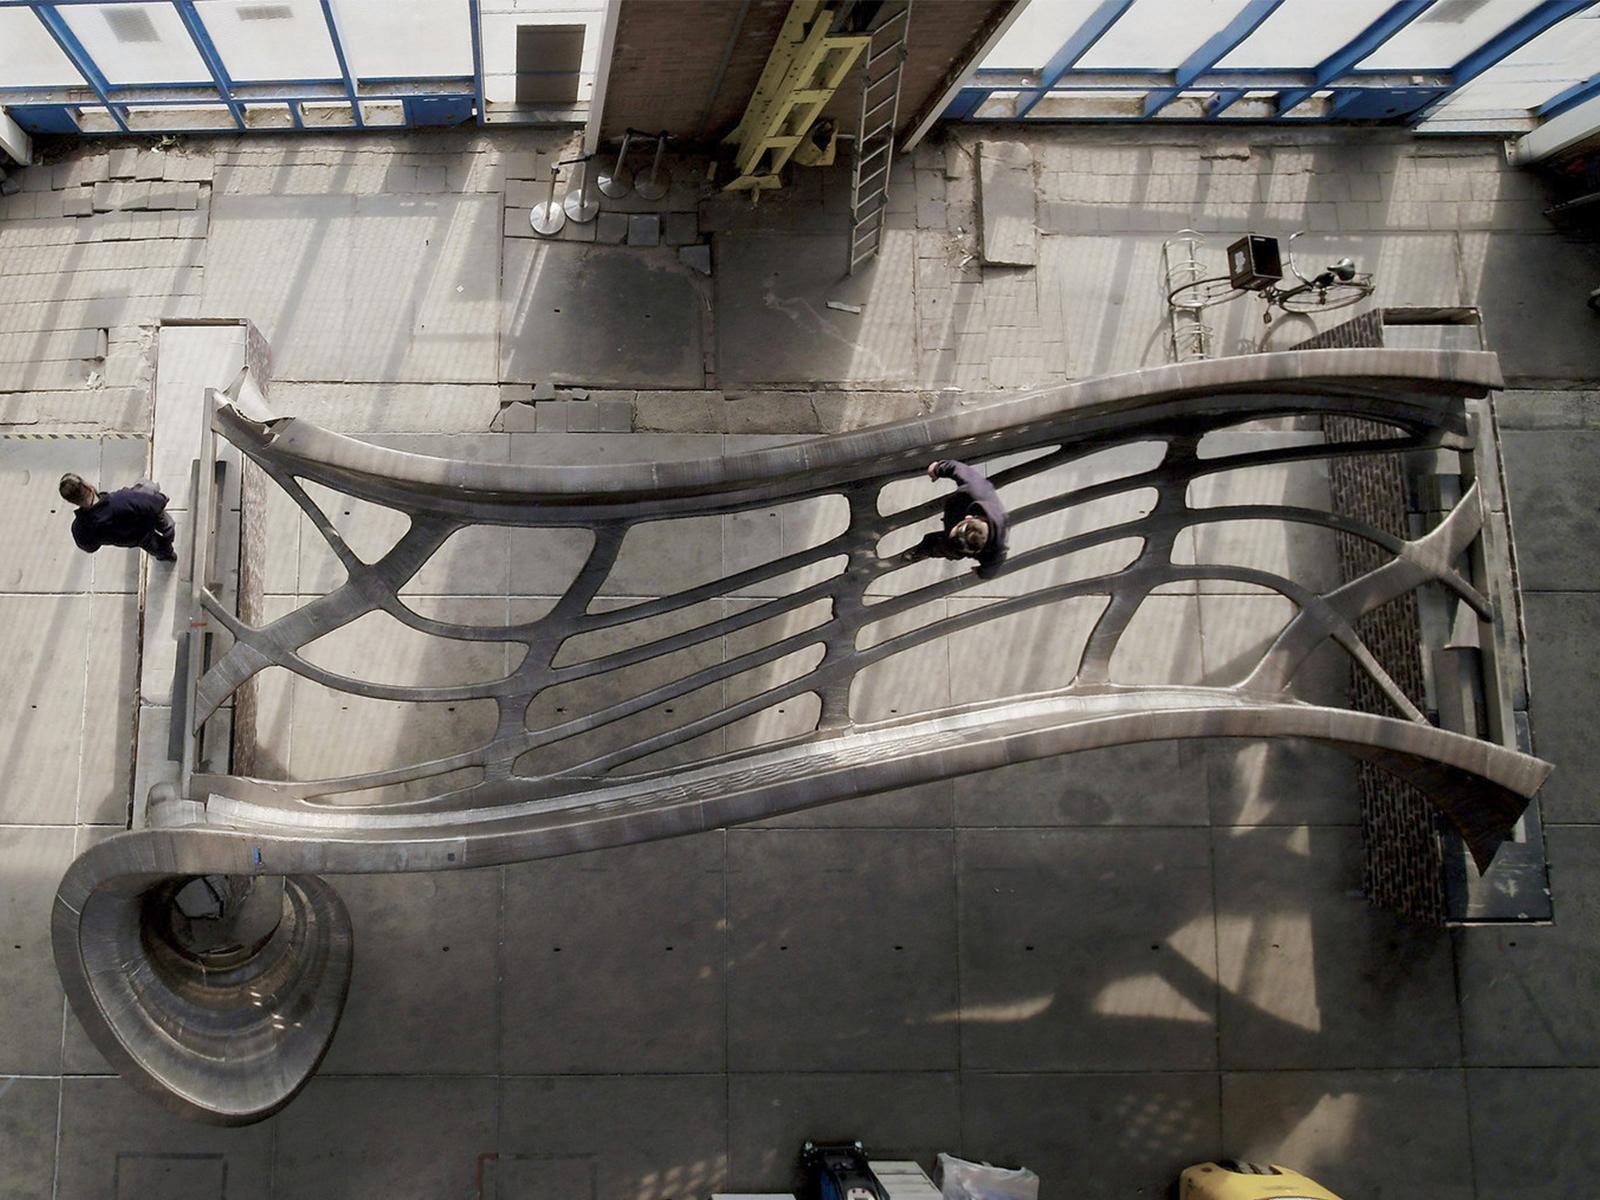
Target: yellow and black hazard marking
x,y
74,437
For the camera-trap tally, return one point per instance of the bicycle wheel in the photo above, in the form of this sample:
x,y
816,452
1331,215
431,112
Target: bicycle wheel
x,y
1203,293
1338,294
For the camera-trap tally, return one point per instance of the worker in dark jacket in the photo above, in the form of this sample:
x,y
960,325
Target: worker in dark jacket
x,y
131,516
974,520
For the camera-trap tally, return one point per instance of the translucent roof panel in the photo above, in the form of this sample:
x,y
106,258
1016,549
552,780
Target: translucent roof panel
x,y
29,56
136,43
1042,29
1301,33
1446,33
388,40
1160,34
261,41
1549,64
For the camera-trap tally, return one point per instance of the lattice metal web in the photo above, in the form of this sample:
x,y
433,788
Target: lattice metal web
x,y
158,1004
828,622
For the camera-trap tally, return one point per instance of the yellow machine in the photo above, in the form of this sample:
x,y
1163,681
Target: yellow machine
x,y
806,67
1234,1180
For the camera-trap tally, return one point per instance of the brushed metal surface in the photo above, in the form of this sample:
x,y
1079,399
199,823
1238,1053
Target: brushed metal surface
x,y
195,1047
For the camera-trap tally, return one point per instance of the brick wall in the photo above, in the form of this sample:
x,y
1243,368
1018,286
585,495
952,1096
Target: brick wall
x,y
1404,858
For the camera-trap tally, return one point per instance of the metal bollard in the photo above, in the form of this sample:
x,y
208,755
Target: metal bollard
x,y
616,182
654,185
580,203
548,218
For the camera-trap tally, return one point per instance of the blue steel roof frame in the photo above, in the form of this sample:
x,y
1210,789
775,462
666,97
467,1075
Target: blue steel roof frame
x,y
1510,39
476,22
1339,73
1074,48
1584,89
344,64
82,61
207,50
1346,58
116,99
1211,52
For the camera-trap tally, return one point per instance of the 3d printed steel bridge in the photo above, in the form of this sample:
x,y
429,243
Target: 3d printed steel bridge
x,y
209,962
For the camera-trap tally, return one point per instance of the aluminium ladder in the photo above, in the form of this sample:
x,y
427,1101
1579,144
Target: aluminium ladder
x,y
882,66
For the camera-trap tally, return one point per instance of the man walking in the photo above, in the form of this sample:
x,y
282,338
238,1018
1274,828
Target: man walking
x,y
974,520
130,516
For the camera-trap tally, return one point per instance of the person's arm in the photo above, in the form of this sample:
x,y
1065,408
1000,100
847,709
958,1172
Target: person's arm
x,y
146,499
149,487
81,542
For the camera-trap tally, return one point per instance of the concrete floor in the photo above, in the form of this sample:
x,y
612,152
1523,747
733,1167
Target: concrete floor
x,y
1105,968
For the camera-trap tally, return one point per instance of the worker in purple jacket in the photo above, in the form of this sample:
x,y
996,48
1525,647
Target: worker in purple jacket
x,y
130,516
974,520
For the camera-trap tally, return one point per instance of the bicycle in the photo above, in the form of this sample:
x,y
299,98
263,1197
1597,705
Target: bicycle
x,y
1338,285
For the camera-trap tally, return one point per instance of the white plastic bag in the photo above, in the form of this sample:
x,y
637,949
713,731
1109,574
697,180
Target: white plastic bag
x,y
963,1180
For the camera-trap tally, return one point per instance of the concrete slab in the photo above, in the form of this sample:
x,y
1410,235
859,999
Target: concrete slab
x,y
286,266
110,703
380,288
420,936
659,558
565,701
614,961
381,1137
1107,1136
1236,631
774,325
1533,1132
650,1137
1523,989
1532,288
914,1114
915,679
28,1131
1306,554
1348,1129
1553,476
1311,976
1156,783
1281,783
1006,204
1086,950
116,1143
841,950
36,551
44,639
598,315
1563,650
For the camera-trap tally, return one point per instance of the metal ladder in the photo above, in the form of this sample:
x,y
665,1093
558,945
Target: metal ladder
x,y
882,66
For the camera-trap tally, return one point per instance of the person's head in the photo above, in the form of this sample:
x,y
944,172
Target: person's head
x,y
970,535
76,490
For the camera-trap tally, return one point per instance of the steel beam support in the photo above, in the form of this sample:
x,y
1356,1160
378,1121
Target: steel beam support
x,y
201,37
344,63
1074,48
1558,133
602,78
1569,98
81,59
1347,57
474,18
1509,40
1211,52
1225,100
14,140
